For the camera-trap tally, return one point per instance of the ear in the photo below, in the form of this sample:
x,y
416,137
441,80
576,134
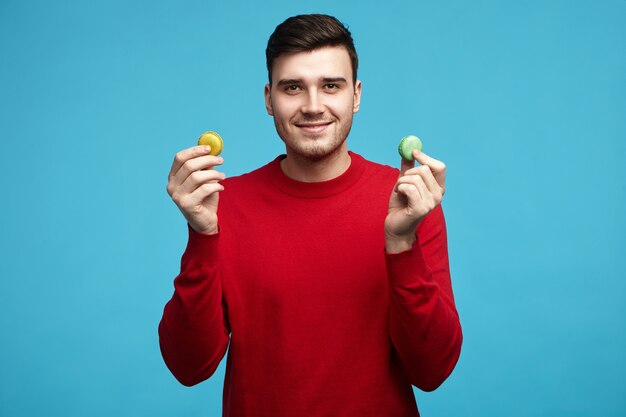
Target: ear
x,y
357,96
268,100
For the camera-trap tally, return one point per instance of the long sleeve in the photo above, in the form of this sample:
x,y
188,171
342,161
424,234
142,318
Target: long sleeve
x,y
423,321
316,318
194,329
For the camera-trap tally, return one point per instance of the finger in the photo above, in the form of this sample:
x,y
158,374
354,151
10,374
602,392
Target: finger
x,y
183,156
430,182
197,197
196,164
415,170
424,172
410,192
418,196
413,181
423,189
197,178
434,164
437,167
405,166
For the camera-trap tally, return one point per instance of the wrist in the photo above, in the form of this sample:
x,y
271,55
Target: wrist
x,y
397,244
211,230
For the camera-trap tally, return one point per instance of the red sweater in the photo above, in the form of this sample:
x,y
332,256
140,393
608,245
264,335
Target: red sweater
x,y
321,321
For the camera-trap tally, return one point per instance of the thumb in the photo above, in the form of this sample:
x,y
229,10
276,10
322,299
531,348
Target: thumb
x,y
405,165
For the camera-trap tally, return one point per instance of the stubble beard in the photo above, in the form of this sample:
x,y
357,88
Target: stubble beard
x,y
315,149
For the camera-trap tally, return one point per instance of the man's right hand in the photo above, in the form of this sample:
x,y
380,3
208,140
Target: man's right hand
x,y
194,187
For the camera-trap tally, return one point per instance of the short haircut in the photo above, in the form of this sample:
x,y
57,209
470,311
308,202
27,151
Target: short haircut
x,y
304,33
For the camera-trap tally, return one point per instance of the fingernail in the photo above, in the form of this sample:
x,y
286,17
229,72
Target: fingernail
x,y
207,149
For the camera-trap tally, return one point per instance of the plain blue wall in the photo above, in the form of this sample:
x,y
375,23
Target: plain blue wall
x,y
524,101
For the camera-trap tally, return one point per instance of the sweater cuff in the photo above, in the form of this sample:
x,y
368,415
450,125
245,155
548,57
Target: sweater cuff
x,y
407,267
202,248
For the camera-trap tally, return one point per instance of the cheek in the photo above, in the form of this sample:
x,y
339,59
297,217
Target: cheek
x,y
344,106
282,110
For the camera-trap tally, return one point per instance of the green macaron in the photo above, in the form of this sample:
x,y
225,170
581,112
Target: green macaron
x,y
407,145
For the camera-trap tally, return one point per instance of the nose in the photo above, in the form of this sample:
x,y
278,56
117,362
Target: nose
x,y
312,103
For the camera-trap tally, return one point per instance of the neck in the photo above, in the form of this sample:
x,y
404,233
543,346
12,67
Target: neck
x,y
306,170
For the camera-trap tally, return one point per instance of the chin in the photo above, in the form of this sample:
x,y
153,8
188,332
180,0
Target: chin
x,y
313,147
316,152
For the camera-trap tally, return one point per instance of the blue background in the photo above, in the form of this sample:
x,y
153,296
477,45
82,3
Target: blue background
x,y
524,101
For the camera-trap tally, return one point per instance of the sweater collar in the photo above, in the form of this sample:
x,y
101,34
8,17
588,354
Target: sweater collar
x,y
321,189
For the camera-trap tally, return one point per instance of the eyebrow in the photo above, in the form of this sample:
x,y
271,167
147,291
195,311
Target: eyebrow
x,y
290,81
334,80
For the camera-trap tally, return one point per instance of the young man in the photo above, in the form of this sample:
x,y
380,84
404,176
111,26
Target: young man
x,y
328,274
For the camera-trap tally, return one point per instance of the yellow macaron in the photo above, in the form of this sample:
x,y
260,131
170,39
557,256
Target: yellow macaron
x,y
213,140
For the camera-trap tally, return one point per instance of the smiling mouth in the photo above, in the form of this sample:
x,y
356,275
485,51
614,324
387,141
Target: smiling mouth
x,y
317,127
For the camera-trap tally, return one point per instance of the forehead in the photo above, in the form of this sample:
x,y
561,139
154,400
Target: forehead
x,y
331,61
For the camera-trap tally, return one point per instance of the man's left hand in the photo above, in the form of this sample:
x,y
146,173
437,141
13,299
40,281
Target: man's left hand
x,y
416,193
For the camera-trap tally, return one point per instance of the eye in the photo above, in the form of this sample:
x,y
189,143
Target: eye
x,y
292,88
332,88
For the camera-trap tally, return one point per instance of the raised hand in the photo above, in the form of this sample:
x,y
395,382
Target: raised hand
x,y
417,192
194,187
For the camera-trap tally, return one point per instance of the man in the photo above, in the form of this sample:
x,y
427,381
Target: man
x,y
328,274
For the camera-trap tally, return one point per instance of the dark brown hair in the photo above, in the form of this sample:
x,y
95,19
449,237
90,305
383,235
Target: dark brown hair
x,y
304,33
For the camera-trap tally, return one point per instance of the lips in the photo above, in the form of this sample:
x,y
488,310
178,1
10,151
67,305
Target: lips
x,y
313,127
